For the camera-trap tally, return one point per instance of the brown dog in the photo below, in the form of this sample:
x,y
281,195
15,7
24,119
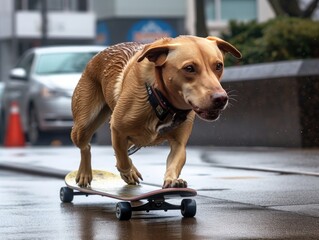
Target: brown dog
x,y
151,94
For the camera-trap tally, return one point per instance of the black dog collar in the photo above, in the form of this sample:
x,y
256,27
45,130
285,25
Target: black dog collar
x,y
162,108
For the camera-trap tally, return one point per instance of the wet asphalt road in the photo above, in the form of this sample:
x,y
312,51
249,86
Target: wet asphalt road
x,y
243,194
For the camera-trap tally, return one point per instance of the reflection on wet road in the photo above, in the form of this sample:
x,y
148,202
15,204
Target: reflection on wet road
x,y
31,209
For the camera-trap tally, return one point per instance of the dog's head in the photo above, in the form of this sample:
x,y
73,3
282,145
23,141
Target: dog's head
x,y
190,69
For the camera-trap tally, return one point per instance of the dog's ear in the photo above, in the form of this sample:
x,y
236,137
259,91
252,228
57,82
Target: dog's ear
x,y
226,46
156,54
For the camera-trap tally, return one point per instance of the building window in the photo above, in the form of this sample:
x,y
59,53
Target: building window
x,y
53,5
224,10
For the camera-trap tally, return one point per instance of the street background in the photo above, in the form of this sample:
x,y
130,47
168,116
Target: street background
x,y
256,169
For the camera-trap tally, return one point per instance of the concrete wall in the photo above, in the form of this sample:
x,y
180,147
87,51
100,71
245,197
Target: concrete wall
x,y
273,104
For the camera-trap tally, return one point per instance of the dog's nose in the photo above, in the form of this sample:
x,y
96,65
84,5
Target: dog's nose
x,y
219,100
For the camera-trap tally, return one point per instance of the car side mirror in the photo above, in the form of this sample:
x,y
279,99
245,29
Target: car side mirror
x,y
18,73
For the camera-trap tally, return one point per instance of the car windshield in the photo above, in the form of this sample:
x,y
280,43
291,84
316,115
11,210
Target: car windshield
x,y
61,63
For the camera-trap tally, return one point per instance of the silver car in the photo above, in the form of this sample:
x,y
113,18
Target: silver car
x,y
42,84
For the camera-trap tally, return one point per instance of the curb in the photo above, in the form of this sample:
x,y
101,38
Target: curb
x,y
34,170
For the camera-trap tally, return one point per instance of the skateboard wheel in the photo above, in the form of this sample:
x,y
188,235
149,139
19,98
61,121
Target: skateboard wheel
x,y
188,207
66,194
123,211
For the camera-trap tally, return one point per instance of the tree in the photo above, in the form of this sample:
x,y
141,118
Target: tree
x,y
292,8
201,29
282,38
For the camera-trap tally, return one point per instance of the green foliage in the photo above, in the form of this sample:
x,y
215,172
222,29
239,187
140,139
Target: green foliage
x,y
275,40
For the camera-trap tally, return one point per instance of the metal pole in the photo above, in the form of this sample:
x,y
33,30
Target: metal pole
x,y
14,42
44,26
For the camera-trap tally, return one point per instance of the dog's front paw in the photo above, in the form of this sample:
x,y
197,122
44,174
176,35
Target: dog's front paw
x,y
132,176
83,178
175,183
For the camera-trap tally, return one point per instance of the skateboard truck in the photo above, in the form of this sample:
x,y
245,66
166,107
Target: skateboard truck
x,y
124,209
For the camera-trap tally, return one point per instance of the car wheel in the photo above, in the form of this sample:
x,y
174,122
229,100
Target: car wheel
x,y
35,135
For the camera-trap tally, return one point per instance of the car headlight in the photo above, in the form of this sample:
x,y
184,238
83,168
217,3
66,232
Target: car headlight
x,y
49,93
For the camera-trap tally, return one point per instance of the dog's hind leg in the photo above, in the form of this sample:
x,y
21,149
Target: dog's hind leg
x,y
89,112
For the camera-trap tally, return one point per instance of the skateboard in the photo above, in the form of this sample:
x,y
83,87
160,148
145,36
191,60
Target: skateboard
x,y
111,185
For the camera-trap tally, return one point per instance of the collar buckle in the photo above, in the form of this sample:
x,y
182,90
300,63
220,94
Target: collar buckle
x,y
162,107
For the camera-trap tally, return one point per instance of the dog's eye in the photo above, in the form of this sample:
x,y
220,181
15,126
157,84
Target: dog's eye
x,y
189,69
219,66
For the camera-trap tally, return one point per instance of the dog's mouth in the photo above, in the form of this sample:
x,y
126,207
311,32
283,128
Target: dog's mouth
x,y
208,115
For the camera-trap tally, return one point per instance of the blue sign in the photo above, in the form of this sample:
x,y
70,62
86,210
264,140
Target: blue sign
x,y
146,31
102,34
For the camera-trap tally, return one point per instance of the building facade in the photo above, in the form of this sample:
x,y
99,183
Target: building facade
x,y
106,22
68,22
146,20
138,20
220,12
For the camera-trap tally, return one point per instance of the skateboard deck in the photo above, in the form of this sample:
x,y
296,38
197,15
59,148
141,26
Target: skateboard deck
x,y
111,185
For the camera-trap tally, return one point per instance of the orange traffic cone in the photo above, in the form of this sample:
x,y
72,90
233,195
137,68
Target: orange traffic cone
x,y
14,134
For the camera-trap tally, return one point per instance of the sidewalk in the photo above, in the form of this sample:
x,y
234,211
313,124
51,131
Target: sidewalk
x,y
276,190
